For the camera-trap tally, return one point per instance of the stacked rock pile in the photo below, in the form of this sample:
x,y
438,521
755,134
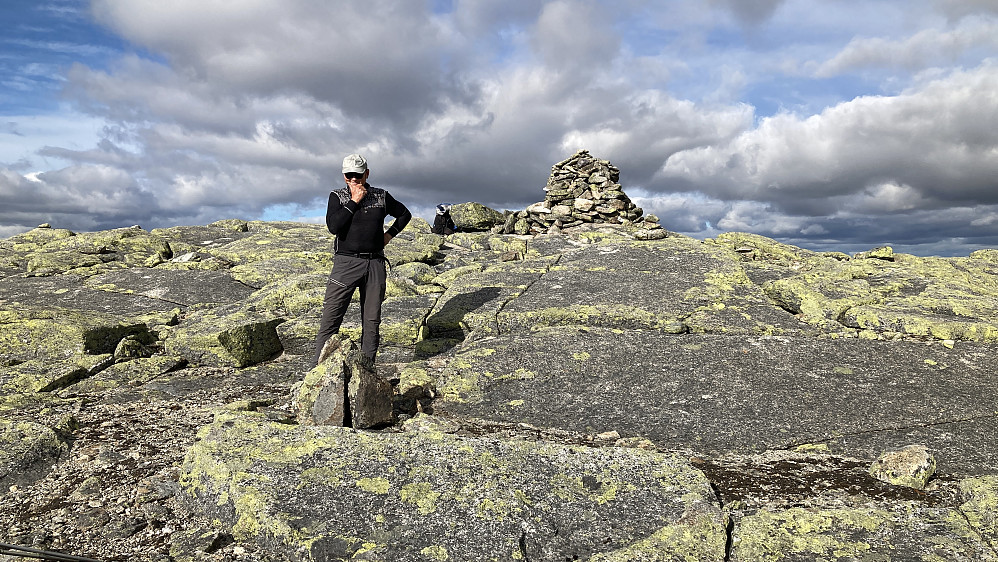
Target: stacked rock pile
x,y
581,189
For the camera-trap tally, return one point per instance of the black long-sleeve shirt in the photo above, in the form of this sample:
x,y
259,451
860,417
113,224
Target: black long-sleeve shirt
x,y
359,227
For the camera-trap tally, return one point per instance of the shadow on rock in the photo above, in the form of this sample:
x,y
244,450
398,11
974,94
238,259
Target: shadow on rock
x,y
445,328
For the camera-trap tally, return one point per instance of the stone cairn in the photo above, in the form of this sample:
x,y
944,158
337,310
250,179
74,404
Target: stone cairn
x,y
581,189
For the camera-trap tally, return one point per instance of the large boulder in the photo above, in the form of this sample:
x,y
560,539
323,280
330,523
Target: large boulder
x,y
475,216
327,493
344,390
226,336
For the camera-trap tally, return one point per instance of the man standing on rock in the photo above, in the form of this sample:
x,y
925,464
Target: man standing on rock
x,y
356,215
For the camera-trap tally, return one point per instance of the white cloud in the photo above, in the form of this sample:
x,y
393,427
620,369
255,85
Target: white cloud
x,y
940,141
925,48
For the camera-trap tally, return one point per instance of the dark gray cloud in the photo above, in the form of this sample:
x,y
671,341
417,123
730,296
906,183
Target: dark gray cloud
x,y
751,12
230,109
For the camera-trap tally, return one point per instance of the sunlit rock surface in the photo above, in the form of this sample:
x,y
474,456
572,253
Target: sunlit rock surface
x,y
588,393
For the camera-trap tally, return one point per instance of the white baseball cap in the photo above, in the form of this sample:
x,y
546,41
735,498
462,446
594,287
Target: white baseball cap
x,y
354,163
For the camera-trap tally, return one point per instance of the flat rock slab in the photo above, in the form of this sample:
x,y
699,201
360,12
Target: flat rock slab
x,y
201,236
672,285
175,287
69,291
720,394
269,381
327,493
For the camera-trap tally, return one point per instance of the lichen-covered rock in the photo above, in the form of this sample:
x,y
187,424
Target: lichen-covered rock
x,y
419,272
475,216
91,252
306,242
291,295
727,349
910,466
36,238
730,393
322,397
326,493
698,536
27,451
370,397
132,372
47,375
275,270
684,288
473,299
344,390
980,506
905,532
38,333
226,336
414,244
403,318
942,298
173,287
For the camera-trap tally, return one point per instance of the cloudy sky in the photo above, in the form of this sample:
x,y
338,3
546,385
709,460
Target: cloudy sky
x,y
829,124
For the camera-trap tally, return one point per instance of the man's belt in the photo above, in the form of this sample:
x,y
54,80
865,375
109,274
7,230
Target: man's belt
x,y
363,255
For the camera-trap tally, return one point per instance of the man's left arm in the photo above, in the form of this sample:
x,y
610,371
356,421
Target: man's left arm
x,y
401,214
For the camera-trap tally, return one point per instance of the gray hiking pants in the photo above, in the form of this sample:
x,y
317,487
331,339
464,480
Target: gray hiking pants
x,y
367,273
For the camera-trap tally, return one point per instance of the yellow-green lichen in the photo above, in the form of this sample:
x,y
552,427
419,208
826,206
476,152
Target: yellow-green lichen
x,y
980,507
436,553
610,316
796,532
376,485
421,495
700,537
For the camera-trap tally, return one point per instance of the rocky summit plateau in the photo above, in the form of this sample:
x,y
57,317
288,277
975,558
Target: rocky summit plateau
x,y
606,390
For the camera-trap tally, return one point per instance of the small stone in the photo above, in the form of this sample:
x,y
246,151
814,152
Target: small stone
x,y
635,443
608,436
426,423
911,466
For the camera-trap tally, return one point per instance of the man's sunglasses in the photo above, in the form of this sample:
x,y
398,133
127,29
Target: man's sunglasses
x,y
353,176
